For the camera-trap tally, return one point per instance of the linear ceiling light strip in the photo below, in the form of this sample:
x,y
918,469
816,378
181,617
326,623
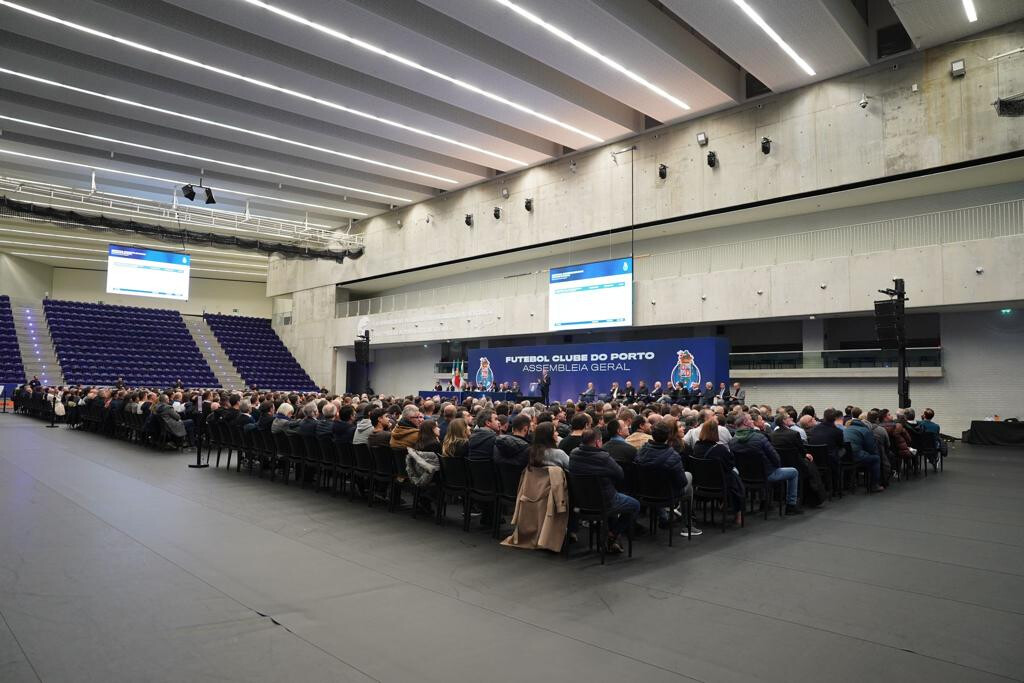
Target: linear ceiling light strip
x,y
254,81
129,243
209,160
757,19
174,182
103,251
405,61
603,58
225,126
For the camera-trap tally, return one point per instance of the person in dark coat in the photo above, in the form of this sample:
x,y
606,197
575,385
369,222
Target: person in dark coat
x,y
659,455
863,447
750,443
708,446
481,439
589,459
512,449
827,434
790,447
617,446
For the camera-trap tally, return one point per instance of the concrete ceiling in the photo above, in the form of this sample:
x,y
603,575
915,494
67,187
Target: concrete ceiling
x,y
325,111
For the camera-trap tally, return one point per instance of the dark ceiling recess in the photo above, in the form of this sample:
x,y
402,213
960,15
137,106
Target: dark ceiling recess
x,y
893,40
650,123
755,87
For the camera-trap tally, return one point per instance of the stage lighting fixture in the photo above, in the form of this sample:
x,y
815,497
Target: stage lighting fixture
x,y
662,171
702,139
209,196
712,159
189,192
497,213
766,145
469,220
528,204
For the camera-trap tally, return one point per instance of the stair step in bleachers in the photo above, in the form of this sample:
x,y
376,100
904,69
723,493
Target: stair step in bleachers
x,y
97,343
258,353
12,371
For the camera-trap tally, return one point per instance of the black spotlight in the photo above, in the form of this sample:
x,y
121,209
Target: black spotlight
x,y
469,220
497,213
766,145
209,196
662,171
712,159
189,192
528,203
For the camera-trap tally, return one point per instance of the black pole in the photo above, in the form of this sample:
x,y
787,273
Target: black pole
x,y
199,434
3,397
53,413
366,363
904,387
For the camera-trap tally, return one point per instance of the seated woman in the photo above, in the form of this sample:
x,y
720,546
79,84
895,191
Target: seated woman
x,y
708,446
544,450
456,439
428,437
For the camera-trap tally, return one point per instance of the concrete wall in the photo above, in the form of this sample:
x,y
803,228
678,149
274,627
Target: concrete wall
x,y
982,376
205,295
821,139
24,279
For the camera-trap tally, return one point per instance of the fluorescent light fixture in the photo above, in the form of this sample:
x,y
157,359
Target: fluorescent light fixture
x,y
209,160
580,45
127,244
972,14
405,61
254,81
225,126
172,181
103,260
104,251
756,18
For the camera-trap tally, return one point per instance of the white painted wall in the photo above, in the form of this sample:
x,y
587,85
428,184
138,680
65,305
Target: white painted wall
x,y
205,295
405,369
24,279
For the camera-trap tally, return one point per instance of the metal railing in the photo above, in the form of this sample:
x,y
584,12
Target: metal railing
x,y
987,221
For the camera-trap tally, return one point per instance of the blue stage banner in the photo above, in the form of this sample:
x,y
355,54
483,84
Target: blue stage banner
x,y
693,360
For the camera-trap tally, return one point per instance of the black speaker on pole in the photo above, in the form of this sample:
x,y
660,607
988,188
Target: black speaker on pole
x,y
362,349
890,327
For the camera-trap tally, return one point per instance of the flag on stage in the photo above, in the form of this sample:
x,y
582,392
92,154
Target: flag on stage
x,y
457,377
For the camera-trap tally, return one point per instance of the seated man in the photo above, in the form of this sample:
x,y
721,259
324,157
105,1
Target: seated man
x,y
629,393
380,423
621,450
750,443
790,447
615,393
708,395
406,432
589,394
739,394
513,448
590,460
659,454
827,434
927,425
862,446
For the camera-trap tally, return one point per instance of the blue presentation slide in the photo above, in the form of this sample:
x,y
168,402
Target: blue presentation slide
x,y
591,295
147,272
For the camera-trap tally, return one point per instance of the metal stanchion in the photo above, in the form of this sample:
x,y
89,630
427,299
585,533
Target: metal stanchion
x,y
199,434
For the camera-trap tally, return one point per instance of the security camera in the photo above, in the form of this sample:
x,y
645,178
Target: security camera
x,y
863,104
979,270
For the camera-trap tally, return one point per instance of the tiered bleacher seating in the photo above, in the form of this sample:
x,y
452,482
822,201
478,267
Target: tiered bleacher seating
x,y
11,369
258,354
97,343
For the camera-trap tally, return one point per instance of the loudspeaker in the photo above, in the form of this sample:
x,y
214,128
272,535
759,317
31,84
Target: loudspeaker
x,y
362,348
889,324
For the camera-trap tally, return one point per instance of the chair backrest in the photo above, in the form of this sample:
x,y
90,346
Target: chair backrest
x,y
297,444
708,476
383,461
398,455
751,468
509,477
312,446
820,453
283,445
328,453
346,455
923,441
454,472
652,484
587,494
364,458
481,476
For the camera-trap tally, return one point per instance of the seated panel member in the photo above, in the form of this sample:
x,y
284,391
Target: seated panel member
x,y
708,397
588,395
642,392
629,393
615,393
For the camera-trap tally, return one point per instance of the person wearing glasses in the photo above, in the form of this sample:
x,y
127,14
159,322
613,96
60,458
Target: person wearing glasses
x,y
406,432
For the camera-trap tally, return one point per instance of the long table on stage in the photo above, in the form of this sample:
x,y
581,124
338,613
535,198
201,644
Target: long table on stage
x,y
991,433
463,395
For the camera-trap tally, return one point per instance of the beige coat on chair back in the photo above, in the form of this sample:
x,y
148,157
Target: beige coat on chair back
x,y
542,510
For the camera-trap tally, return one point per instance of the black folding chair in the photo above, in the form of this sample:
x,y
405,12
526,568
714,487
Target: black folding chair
x,y
454,485
508,478
483,489
363,472
586,498
655,491
709,484
823,463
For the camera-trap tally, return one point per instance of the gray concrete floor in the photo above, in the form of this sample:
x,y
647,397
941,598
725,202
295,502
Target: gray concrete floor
x,y
121,564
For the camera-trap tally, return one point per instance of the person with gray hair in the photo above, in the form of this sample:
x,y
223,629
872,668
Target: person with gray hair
x,y
307,425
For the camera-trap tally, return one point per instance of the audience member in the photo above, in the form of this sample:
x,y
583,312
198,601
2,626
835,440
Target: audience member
x,y
588,459
750,443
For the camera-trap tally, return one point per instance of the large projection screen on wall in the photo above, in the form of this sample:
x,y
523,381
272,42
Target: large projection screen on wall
x,y
591,295
135,271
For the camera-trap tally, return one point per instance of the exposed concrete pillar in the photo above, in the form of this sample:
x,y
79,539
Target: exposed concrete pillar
x,y
814,335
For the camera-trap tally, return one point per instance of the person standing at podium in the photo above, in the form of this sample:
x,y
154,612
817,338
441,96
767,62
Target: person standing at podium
x,y
544,385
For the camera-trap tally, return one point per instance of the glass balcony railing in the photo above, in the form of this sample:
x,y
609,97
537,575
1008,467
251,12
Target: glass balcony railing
x,y
918,357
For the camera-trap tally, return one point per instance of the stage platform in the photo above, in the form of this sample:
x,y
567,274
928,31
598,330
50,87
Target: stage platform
x,y
118,563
